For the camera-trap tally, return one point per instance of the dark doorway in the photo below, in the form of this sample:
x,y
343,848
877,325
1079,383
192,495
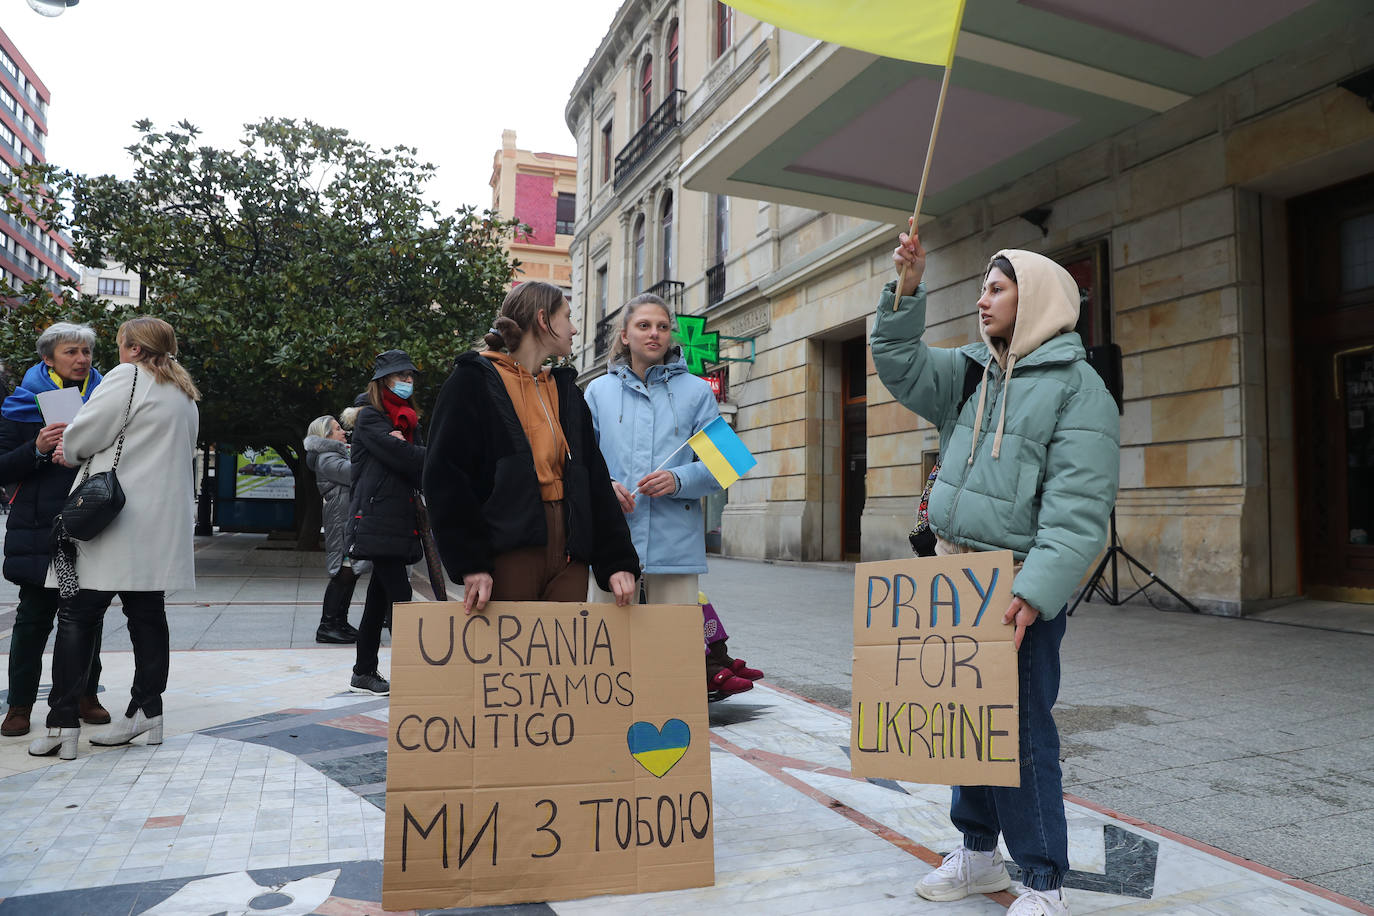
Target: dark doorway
x,y
854,439
1333,342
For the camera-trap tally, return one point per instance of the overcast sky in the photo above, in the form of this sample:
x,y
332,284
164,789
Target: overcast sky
x,y
446,76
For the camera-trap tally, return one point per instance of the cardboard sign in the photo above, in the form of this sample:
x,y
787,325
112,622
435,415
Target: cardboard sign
x,y
545,751
935,687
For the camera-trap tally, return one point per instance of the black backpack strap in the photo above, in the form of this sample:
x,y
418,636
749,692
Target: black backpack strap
x,y
973,374
921,537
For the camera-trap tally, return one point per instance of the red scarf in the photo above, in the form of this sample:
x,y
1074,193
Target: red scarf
x,y
401,414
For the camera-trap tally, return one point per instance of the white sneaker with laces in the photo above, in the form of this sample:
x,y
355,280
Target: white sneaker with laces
x,y
965,872
1039,903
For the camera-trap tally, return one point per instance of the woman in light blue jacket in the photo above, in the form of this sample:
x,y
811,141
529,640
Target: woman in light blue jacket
x,y
644,410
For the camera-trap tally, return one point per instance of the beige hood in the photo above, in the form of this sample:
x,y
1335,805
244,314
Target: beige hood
x,y
1047,301
1047,304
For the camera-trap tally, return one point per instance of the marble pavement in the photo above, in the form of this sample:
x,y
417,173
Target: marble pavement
x,y
267,796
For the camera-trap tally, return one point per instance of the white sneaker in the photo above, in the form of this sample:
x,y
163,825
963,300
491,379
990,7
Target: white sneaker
x,y
965,872
1039,903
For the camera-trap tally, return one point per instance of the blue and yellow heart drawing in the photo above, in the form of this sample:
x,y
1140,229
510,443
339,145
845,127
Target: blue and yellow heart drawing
x,y
658,750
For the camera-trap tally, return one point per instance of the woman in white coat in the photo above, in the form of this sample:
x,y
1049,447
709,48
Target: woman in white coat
x,y
148,549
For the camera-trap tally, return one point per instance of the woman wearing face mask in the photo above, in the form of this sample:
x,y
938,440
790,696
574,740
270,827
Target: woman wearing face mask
x,y
387,464
518,493
1030,465
644,408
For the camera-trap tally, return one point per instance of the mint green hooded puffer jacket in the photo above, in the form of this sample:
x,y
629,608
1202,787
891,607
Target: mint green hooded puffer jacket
x,y
1031,462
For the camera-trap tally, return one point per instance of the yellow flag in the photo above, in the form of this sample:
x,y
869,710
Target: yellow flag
x,y
923,31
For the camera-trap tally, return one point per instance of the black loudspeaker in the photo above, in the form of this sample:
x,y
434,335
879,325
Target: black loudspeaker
x,y
1106,359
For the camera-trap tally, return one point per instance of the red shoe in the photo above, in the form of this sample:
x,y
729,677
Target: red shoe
x,y
744,671
726,683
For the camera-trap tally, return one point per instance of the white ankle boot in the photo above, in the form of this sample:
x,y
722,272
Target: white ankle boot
x,y
62,740
127,728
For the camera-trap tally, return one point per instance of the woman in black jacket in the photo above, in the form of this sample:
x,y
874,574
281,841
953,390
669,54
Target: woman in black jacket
x,y
518,493
387,466
27,444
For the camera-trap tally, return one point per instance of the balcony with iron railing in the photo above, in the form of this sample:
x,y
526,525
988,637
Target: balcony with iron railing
x,y
662,124
604,329
715,284
670,291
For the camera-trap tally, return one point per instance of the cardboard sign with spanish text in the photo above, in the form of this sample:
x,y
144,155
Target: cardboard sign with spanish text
x,y
935,688
545,751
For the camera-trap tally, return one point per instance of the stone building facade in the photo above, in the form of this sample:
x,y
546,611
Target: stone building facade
x,y
112,281
27,252
1218,211
538,189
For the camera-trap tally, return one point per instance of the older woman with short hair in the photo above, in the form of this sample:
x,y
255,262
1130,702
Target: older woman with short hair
x,y
147,403
27,443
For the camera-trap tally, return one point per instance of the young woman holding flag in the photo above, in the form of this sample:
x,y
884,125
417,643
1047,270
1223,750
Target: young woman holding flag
x,y
644,409
518,494
1030,465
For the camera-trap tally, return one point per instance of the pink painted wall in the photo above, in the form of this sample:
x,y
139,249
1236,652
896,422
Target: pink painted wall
x,y
536,205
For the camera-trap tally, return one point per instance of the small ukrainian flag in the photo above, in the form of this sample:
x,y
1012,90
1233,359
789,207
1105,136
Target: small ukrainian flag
x,y
724,455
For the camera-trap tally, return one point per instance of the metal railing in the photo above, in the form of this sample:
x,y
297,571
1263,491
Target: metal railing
x,y
661,124
715,284
670,291
605,328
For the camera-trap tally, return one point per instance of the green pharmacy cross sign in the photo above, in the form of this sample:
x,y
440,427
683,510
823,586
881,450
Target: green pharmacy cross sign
x,y
699,346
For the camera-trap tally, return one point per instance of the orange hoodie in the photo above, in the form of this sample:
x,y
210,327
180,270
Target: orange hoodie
x,y
536,404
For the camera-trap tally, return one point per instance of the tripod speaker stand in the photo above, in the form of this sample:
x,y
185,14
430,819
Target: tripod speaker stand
x,y
1106,360
1098,584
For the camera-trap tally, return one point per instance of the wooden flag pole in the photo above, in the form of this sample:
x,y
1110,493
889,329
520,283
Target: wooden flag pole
x,y
925,174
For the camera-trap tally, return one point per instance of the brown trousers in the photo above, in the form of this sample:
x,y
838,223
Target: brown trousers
x,y
544,573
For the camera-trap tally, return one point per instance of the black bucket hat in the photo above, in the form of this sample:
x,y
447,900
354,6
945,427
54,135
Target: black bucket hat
x,y
389,361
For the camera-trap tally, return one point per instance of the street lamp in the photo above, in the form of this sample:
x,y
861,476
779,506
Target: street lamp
x,y
51,7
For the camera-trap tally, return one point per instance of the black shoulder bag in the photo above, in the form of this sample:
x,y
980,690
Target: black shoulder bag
x,y
96,501
921,537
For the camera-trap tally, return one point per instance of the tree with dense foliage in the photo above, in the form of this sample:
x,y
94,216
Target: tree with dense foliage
x,y
284,264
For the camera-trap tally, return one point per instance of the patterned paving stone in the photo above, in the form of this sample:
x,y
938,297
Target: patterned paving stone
x,y
270,799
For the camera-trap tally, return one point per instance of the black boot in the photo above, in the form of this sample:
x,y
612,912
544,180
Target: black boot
x,y
329,631
334,627
347,579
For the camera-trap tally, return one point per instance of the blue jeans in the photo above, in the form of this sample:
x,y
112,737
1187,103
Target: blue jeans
x,y
1030,816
